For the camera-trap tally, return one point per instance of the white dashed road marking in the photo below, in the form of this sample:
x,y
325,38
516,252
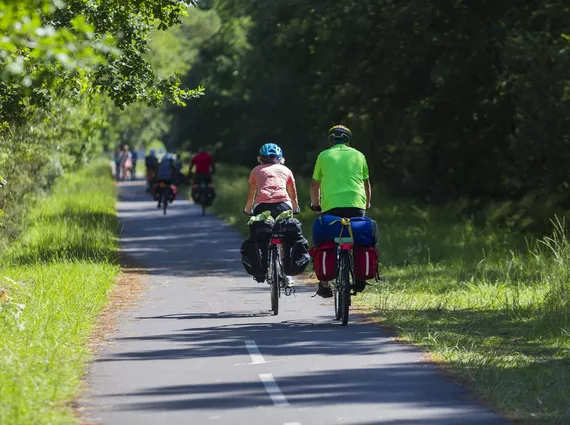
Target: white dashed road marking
x,y
256,357
273,390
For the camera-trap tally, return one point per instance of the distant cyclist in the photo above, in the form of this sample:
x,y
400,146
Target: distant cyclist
x,y
204,167
165,174
271,186
151,163
341,185
134,158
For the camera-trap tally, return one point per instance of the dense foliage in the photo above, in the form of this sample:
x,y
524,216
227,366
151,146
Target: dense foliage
x,y
68,71
449,100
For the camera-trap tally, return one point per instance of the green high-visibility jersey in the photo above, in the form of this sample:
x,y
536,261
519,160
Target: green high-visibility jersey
x,y
341,171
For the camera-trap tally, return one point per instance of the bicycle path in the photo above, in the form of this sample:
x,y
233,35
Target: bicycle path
x,y
202,347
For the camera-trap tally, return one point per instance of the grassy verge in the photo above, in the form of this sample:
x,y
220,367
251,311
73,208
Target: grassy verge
x,y
490,304
56,279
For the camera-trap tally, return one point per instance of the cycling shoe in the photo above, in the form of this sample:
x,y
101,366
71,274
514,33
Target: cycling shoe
x,y
324,291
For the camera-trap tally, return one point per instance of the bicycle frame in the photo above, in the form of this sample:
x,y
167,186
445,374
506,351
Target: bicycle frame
x,y
275,272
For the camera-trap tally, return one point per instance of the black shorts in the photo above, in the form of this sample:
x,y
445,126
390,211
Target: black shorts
x,y
206,178
346,212
276,208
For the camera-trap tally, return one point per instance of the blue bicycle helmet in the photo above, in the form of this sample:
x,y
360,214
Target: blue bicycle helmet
x,y
271,150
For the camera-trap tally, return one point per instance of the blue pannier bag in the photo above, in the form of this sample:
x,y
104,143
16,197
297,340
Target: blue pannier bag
x,y
328,227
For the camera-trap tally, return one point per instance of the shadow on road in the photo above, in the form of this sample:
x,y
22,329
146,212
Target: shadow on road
x,y
293,338
183,242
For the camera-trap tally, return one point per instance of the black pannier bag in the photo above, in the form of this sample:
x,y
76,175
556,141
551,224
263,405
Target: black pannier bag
x,y
261,230
290,229
210,194
297,257
254,258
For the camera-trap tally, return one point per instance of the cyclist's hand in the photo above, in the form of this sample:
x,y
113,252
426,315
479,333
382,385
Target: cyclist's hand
x,y
316,208
297,211
248,213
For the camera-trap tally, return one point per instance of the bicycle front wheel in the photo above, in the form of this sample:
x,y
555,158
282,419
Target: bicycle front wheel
x,y
344,290
274,281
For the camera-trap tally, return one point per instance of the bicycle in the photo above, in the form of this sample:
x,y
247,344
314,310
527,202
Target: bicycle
x,y
345,276
275,273
165,195
201,196
342,285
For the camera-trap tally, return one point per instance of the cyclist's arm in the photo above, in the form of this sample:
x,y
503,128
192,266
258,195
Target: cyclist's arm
x,y
250,197
315,193
315,190
292,192
366,181
368,190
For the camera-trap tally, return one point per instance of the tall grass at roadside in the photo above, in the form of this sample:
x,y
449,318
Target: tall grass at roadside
x,y
56,279
492,304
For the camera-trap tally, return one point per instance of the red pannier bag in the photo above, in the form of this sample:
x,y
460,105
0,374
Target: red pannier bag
x,y
325,261
174,190
365,262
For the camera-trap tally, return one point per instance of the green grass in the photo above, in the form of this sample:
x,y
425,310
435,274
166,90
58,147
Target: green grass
x,y
492,305
57,277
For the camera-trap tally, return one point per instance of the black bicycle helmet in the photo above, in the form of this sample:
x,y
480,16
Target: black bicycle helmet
x,y
340,134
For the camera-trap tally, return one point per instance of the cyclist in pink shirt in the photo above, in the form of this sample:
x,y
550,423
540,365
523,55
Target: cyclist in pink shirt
x,y
271,184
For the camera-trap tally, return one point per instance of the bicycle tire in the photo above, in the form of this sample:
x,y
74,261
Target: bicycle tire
x,y
164,201
337,311
336,295
345,288
275,281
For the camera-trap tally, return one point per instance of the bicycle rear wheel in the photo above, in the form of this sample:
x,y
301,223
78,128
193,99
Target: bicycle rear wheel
x,y
164,201
336,293
274,281
344,295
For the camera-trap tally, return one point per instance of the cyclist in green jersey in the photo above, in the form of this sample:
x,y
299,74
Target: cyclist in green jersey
x,y
340,185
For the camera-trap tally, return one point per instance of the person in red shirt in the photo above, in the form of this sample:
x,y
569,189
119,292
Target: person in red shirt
x,y
204,167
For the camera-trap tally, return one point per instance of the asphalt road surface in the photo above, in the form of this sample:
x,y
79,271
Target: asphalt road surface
x,y
203,348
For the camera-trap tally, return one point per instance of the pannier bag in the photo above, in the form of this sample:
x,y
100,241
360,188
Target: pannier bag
x,y
289,229
325,261
210,196
254,258
296,258
365,262
209,193
329,227
261,230
261,226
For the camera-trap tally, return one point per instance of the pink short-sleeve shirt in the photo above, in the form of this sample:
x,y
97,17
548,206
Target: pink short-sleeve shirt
x,y
271,181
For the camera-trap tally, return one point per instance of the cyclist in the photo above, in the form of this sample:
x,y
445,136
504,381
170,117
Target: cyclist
x,y
204,165
271,186
165,173
340,185
151,163
134,156
126,161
